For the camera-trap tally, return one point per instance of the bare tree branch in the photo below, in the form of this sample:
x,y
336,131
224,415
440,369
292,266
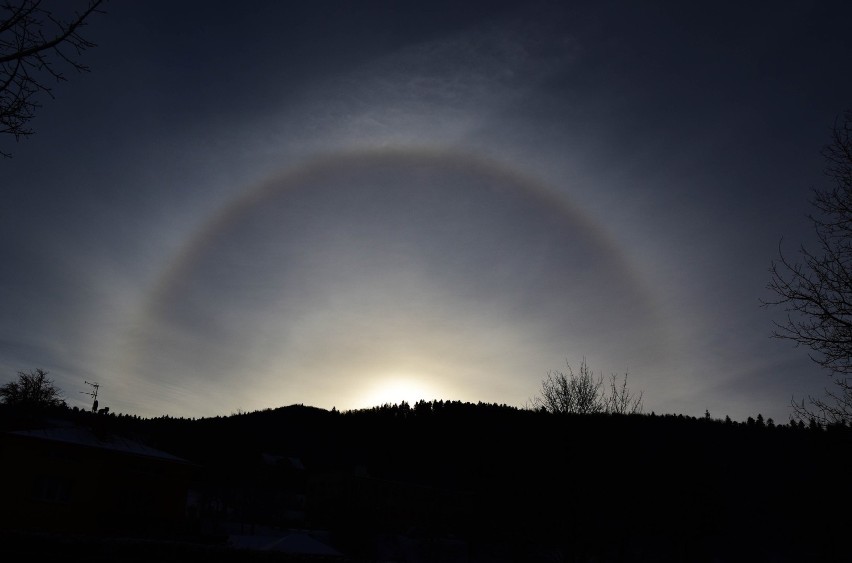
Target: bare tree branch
x,y
33,389
583,393
34,45
816,290
621,400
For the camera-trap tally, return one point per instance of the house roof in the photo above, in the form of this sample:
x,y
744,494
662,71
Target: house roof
x,y
84,437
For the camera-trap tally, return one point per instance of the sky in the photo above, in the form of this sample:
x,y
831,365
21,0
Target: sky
x,y
346,204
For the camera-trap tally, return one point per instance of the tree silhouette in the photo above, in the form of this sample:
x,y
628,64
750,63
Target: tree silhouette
x,y
621,399
33,389
583,393
816,291
571,393
35,44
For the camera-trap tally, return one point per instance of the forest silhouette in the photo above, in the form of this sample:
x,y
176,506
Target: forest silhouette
x,y
460,481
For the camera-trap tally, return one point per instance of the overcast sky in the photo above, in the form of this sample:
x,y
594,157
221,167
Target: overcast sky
x,y
343,204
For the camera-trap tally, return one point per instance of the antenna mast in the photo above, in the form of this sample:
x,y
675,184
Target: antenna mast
x,y
93,394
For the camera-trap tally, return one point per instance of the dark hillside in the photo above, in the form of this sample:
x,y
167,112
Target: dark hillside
x,y
513,484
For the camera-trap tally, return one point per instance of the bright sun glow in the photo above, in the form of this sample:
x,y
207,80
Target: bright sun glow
x,y
393,389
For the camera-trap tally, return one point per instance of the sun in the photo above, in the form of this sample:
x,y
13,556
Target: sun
x,y
396,388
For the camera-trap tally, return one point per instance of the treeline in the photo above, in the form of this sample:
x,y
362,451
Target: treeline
x,y
678,487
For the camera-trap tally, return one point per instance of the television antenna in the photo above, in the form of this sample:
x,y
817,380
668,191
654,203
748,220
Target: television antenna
x,y
93,394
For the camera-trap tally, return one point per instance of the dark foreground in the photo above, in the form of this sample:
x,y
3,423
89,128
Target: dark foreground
x,y
441,482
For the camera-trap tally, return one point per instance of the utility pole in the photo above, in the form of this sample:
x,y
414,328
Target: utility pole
x,y
93,394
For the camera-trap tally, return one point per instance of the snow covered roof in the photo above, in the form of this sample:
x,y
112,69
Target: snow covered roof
x,y
84,437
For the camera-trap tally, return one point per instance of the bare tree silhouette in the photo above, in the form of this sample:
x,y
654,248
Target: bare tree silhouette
x,y
32,389
816,290
583,393
35,45
621,399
